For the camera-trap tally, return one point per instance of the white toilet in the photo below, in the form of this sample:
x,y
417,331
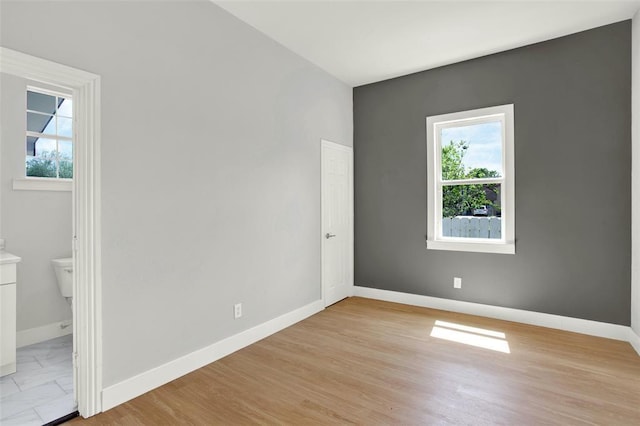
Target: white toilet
x,y
64,276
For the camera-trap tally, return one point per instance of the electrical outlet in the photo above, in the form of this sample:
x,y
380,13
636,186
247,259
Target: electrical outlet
x,y
457,282
237,310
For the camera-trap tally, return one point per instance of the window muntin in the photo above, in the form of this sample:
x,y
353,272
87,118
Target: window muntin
x,y
49,135
470,179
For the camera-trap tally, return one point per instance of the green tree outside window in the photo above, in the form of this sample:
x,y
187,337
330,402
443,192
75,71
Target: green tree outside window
x,y
458,200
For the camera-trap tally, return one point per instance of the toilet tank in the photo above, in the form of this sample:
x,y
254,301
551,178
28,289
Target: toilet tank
x,y
64,275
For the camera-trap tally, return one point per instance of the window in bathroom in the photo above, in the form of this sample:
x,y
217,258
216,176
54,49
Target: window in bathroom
x,y
49,136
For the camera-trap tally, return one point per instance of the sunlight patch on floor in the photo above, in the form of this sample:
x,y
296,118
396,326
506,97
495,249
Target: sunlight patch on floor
x,y
478,337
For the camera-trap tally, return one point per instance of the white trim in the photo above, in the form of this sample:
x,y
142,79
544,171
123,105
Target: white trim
x,y
576,325
478,247
135,386
42,70
471,181
42,184
43,333
87,276
435,240
48,135
87,303
634,340
8,369
50,92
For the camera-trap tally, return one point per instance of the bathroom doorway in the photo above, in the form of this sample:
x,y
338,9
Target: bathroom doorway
x,y
37,173
84,90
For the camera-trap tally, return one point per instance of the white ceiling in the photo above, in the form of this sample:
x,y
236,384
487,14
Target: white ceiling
x,y
361,42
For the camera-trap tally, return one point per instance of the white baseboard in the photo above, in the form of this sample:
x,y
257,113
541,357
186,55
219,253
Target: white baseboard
x,y
158,376
43,333
576,325
7,369
634,339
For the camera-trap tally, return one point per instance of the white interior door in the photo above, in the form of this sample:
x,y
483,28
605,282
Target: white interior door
x,y
337,222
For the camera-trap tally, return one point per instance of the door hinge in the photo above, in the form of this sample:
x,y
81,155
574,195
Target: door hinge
x,y
74,243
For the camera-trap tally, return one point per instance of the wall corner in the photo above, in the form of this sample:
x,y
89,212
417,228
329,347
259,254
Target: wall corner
x,y
635,173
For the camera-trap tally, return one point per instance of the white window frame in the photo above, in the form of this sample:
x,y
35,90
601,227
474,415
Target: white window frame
x,y
33,183
435,239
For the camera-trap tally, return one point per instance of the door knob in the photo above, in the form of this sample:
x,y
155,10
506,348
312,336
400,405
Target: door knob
x,y
328,235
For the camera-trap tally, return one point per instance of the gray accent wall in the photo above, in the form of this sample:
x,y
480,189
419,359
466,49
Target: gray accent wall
x,y
635,161
210,167
572,100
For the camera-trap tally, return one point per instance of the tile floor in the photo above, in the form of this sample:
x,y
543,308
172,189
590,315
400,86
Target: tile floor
x,y
42,388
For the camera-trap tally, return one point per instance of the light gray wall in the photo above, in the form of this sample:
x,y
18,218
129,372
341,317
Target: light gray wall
x,y
210,168
35,224
635,184
573,174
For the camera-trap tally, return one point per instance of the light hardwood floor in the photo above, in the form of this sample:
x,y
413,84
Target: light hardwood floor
x,y
369,362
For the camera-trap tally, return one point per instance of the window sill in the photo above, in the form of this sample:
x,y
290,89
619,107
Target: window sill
x,y
42,184
477,247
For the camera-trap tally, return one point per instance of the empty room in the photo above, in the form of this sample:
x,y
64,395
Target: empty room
x,y
319,212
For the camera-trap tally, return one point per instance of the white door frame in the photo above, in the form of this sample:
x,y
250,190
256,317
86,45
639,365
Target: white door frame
x,y
329,144
87,301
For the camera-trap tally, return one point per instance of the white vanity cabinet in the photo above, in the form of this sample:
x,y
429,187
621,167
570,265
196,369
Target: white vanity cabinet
x,y
8,263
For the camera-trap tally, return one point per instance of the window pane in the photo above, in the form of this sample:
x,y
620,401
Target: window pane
x,y
43,163
41,123
31,146
65,108
51,117
66,159
473,151
64,127
41,102
471,211
43,146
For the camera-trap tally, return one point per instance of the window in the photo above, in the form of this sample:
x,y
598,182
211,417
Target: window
x,y
49,136
470,177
